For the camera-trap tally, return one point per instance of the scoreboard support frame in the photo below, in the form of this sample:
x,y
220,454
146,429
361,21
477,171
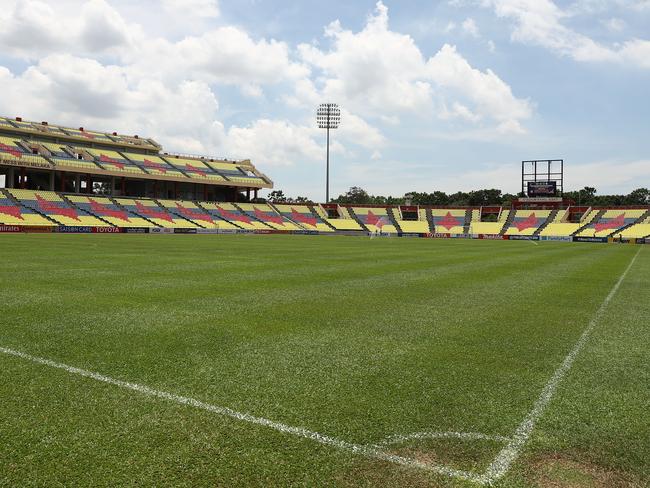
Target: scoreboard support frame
x,y
542,170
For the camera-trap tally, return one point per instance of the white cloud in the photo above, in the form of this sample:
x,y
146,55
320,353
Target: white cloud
x,y
540,22
379,73
274,143
614,24
192,8
31,29
470,28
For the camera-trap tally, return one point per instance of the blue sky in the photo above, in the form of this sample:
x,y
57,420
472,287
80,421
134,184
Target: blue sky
x,y
447,95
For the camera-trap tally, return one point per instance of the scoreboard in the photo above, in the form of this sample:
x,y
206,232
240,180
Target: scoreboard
x,y
542,188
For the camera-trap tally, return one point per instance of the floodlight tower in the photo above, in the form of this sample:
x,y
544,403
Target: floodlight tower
x,y
328,116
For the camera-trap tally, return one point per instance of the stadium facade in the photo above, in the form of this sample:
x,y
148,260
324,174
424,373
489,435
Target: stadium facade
x,y
76,180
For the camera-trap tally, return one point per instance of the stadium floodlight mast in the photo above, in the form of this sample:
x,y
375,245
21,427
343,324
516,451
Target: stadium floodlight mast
x,y
328,116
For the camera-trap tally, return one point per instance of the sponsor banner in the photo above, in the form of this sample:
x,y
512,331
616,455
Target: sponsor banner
x,y
10,228
461,236
106,230
409,234
135,230
305,232
184,231
158,230
589,239
36,229
523,238
438,235
643,241
210,231
74,229
244,231
542,189
556,238
495,237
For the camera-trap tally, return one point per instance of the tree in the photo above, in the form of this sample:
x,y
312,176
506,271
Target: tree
x,y
354,195
277,196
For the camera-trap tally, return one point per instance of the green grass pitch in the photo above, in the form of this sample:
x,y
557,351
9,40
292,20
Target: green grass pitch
x,y
380,346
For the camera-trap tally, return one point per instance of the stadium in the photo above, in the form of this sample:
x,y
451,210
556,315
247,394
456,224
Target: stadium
x,y
167,322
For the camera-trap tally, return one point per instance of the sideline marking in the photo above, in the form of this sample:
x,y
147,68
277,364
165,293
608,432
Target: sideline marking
x,y
368,451
508,454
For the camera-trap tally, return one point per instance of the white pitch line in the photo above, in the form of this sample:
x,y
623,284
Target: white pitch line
x,y
508,454
367,451
468,436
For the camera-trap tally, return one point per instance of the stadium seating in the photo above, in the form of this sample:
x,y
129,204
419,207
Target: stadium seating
x,y
375,219
303,216
559,227
107,210
637,231
193,167
14,214
610,222
448,221
268,215
153,164
148,209
64,156
52,205
526,222
233,172
344,222
87,134
12,149
189,210
112,161
230,213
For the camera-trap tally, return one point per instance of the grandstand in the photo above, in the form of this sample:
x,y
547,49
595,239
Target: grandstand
x,y
67,179
41,156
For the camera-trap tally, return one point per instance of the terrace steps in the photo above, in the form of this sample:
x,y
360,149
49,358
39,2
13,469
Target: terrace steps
x,y
20,204
315,211
508,221
587,222
356,218
88,211
468,220
121,207
393,220
552,216
432,226
177,214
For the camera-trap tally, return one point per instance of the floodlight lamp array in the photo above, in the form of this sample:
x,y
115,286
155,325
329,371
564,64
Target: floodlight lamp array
x,y
328,116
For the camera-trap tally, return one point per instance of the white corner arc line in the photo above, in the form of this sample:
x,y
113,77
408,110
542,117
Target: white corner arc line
x,y
367,451
511,451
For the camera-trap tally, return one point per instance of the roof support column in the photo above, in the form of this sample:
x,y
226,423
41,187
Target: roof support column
x,y
23,178
123,192
52,181
10,177
77,183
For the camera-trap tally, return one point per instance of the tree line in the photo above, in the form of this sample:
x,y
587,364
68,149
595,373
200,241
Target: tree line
x,y
355,195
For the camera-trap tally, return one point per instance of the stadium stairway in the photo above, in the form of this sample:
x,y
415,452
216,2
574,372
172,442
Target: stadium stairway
x,y
88,211
356,218
17,202
122,207
432,226
178,214
508,221
204,207
551,218
468,220
253,217
592,217
322,214
391,216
